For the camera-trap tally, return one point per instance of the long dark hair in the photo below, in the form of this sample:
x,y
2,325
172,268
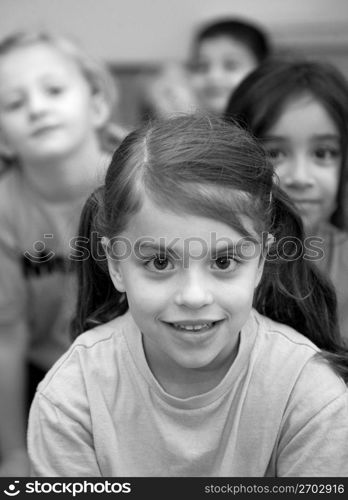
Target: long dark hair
x,y
96,292
208,167
258,101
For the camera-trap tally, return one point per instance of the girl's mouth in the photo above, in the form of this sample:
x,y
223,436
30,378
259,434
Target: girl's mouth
x,y
194,326
45,129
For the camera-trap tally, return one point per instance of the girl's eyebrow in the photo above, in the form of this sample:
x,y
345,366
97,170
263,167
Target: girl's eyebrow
x,y
329,137
159,247
269,138
234,247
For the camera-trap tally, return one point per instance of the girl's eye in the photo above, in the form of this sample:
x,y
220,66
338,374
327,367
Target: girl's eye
x,y
55,90
159,263
275,154
225,263
200,67
230,65
327,153
13,105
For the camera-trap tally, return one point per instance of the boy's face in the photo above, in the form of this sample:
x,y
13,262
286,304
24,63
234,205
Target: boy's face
x,y
46,104
304,147
221,64
189,286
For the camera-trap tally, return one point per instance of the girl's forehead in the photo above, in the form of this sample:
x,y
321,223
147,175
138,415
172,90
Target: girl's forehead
x,y
225,45
155,221
25,66
38,55
305,110
299,99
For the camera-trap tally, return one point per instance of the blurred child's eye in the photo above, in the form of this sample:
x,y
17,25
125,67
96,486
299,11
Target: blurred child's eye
x,y
230,65
275,154
159,263
200,67
225,263
54,89
327,153
13,105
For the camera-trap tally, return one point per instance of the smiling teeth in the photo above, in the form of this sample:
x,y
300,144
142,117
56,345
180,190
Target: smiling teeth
x,y
193,327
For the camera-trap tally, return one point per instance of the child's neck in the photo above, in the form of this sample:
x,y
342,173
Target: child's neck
x,y
185,383
192,384
64,178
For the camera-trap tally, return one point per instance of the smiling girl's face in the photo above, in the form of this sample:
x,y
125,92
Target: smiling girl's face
x,y
304,147
47,108
190,289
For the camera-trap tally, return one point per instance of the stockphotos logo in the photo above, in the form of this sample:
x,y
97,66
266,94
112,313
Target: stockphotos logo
x,y
68,487
12,489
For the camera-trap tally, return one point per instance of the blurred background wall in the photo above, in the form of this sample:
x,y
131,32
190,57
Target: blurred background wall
x,y
135,36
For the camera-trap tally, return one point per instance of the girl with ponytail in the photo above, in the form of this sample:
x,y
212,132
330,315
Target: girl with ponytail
x,y
197,330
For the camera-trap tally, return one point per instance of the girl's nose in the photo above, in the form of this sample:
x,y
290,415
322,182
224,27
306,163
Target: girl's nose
x,y
299,174
193,293
215,73
36,103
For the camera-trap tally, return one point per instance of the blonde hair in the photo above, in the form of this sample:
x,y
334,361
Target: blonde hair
x,y
95,71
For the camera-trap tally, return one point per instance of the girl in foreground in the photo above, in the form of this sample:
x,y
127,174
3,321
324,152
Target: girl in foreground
x,y
209,353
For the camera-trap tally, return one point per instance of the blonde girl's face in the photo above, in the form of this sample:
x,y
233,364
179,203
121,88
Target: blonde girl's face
x,y
222,63
189,286
304,146
46,105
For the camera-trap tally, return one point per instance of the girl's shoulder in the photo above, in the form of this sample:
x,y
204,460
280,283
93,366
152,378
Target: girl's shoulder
x,y
112,331
288,359
279,335
93,355
281,349
278,349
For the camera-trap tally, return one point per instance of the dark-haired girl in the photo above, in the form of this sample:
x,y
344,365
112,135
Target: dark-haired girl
x,y
209,353
299,109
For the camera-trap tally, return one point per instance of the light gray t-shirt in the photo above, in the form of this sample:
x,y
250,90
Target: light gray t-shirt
x,y
279,411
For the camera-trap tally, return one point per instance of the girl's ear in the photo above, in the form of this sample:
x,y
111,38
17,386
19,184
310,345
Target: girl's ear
x,y
114,267
100,110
